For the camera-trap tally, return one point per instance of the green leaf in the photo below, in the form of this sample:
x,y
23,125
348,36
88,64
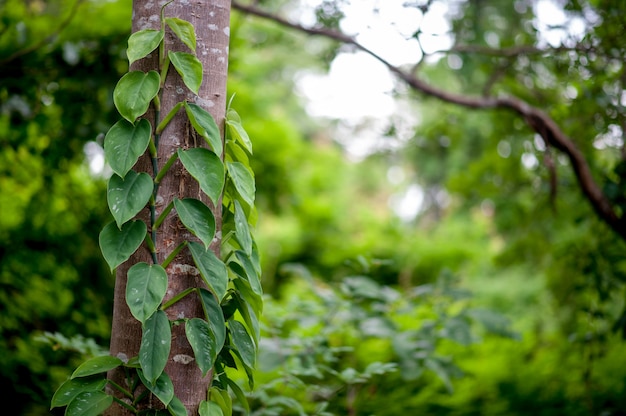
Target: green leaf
x,y
129,195
239,394
89,403
243,342
183,30
156,341
242,232
204,123
73,387
133,93
207,168
222,398
118,245
197,217
212,269
141,43
215,317
145,289
97,365
243,179
176,407
163,389
247,294
202,341
210,409
236,130
189,68
251,273
249,317
124,143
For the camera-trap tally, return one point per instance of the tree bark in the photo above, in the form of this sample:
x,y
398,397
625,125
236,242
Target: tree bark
x,y
211,19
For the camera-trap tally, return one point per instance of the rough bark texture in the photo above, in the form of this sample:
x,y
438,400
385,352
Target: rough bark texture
x,y
211,19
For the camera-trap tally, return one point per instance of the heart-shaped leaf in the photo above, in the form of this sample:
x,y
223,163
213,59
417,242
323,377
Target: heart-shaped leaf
x,y
163,388
133,93
189,68
212,269
124,143
129,195
204,123
207,168
145,288
156,342
118,245
89,403
97,365
243,180
202,341
183,30
142,42
197,217
73,387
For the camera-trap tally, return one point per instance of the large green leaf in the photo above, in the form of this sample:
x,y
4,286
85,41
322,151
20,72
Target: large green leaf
x,y
145,289
73,387
183,30
142,42
212,269
89,403
163,388
197,217
242,232
247,294
203,343
129,195
210,409
239,394
124,143
214,316
251,273
156,341
236,130
118,245
189,68
204,123
243,179
176,407
207,168
97,365
133,93
242,342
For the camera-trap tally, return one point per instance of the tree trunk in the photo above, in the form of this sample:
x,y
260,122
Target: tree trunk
x,y
211,20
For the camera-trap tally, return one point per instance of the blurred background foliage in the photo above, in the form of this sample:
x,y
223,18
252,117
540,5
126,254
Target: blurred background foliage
x,y
504,295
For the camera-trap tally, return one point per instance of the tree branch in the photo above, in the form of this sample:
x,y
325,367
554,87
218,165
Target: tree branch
x,y
534,117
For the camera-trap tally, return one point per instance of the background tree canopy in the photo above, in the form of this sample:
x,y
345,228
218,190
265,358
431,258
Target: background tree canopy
x,y
504,292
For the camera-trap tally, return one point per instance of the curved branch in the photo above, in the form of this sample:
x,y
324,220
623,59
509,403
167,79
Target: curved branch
x,y
535,118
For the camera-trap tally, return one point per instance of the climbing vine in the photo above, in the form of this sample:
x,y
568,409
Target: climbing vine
x,y
232,299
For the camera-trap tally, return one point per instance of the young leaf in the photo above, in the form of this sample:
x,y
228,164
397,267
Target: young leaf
x,y
118,245
242,342
129,195
145,289
211,268
210,409
214,316
242,232
251,273
189,68
207,168
202,341
197,217
163,388
203,122
133,93
156,341
89,403
236,130
124,143
73,387
183,30
97,365
243,180
141,43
